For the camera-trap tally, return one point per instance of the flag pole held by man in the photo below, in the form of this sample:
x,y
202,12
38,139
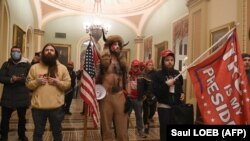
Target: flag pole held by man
x,y
87,90
220,85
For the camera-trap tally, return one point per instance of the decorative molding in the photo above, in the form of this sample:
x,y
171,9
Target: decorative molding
x,y
192,3
139,39
38,32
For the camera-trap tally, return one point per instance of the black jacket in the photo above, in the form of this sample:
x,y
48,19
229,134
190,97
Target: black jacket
x,y
144,85
15,94
248,76
73,78
161,89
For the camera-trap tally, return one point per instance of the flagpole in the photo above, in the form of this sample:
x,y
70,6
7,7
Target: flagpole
x,y
85,122
211,47
93,40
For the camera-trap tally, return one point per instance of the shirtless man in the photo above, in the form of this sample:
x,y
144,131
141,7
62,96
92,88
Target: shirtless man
x,y
112,75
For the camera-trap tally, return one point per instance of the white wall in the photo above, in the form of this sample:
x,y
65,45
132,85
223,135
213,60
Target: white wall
x,y
20,14
160,23
221,12
73,26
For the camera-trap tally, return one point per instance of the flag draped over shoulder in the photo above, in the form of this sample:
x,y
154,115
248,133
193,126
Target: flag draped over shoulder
x,y
87,89
221,87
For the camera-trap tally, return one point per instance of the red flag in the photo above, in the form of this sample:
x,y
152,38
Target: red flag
x,y
87,90
221,87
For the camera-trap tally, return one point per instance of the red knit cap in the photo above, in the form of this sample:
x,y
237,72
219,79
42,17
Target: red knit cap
x,y
142,64
149,62
135,63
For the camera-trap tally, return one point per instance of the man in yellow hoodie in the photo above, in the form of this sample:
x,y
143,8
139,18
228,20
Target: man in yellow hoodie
x,y
48,81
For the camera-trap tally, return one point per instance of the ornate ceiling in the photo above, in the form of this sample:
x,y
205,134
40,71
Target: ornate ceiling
x,y
110,7
132,13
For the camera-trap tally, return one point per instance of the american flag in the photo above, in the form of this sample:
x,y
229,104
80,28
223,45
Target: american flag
x,y
87,90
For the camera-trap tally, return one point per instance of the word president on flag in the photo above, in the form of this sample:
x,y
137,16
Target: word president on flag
x,y
222,99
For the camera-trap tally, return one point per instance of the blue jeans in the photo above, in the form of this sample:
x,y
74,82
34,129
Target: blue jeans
x,y
55,117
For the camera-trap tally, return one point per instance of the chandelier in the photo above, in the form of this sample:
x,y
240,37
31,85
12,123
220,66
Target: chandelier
x,y
95,27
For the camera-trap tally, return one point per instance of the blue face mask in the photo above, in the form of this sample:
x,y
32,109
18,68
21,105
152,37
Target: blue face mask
x,y
15,55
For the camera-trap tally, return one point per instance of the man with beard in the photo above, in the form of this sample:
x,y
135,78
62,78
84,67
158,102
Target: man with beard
x,y
246,61
15,95
168,91
113,77
48,81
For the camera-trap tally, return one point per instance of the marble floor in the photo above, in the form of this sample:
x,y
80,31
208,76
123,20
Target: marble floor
x,y
73,127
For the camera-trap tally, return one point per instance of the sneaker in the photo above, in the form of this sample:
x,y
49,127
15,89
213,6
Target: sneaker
x,y
23,138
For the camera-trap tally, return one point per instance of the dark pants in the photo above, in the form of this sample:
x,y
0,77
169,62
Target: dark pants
x,y
137,106
165,118
6,115
68,99
152,110
55,117
149,110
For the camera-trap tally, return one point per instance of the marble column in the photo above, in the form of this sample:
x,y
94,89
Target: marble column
x,y
139,51
38,36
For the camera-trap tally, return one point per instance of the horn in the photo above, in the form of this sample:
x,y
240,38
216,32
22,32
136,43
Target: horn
x,y
103,35
125,44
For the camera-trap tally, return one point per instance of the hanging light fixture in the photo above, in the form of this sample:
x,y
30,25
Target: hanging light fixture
x,y
95,26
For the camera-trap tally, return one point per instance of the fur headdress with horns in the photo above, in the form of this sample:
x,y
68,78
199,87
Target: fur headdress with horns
x,y
112,39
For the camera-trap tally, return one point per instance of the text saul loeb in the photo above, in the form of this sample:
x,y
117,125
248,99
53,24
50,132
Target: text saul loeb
x,y
209,132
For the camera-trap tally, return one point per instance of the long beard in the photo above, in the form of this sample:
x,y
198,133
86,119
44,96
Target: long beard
x,y
116,54
168,70
49,59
